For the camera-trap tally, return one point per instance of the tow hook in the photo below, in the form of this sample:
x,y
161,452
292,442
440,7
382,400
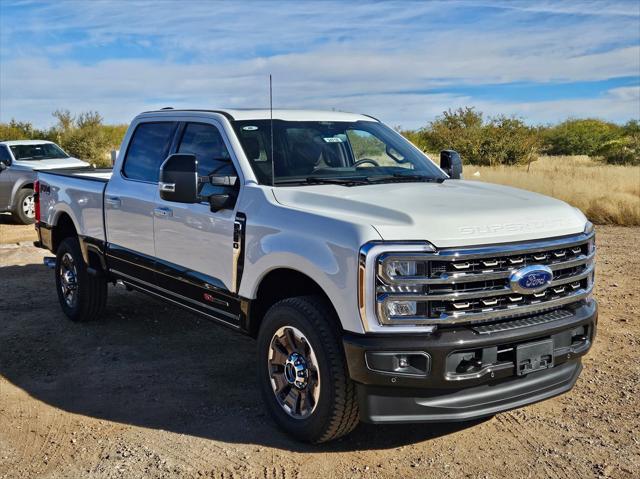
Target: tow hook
x,y
49,262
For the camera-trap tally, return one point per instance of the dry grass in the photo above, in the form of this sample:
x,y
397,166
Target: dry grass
x,y
607,194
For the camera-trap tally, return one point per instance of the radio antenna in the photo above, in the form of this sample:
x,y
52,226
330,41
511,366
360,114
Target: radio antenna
x,y
273,160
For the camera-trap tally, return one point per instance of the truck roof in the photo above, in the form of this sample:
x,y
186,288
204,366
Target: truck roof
x,y
24,142
278,114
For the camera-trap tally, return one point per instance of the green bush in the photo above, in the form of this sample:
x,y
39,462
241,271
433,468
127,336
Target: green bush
x,y
624,150
579,137
18,130
499,140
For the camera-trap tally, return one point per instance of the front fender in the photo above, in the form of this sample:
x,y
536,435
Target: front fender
x,y
322,248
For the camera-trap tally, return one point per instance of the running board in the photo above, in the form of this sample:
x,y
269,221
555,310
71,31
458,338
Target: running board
x,y
49,262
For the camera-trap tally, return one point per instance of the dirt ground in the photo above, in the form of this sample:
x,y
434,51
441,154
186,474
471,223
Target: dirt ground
x,y
152,391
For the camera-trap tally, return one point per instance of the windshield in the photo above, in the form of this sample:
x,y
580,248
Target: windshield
x,y
38,151
348,153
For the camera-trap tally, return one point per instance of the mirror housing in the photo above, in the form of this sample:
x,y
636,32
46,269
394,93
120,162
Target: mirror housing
x,y
3,166
179,178
451,164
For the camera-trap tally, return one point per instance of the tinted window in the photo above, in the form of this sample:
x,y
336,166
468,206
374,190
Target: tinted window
x,y
205,141
4,155
147,150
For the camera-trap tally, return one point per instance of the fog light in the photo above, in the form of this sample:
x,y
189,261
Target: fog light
x,y
402,308
399,363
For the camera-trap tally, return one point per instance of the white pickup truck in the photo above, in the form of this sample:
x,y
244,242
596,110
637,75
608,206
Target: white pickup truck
x,y
380,287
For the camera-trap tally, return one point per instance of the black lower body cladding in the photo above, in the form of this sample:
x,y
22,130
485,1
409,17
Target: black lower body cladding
x,y
469,372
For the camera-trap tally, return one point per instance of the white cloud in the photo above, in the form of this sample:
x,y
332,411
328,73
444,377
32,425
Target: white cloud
x,y
381,58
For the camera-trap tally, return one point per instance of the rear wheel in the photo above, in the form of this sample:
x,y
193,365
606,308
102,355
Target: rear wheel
x,y
25,210
82,296
302,373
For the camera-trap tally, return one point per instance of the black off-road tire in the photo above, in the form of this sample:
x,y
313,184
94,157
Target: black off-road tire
x,y
91,289
18,213
336,412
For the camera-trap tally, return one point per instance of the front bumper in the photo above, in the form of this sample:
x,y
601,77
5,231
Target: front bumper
x,y
444,393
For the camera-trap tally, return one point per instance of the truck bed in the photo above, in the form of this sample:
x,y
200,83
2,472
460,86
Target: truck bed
x,y
78,193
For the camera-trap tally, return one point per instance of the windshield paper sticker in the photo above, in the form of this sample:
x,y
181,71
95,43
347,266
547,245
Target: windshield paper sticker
x,y
333,139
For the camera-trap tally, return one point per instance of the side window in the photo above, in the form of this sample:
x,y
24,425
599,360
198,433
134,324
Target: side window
x,y
205,141
147,150
5,157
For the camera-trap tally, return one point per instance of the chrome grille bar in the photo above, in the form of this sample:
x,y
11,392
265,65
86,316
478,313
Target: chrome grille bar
x,y
472,285
486,292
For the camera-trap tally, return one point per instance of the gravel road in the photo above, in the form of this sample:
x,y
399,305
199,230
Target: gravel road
x,y
152,391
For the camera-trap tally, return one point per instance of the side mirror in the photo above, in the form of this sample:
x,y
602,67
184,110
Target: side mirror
x,y
3,166
179,178
451,164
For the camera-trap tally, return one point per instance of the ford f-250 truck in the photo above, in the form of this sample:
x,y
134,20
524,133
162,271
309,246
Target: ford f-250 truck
x,y
380,287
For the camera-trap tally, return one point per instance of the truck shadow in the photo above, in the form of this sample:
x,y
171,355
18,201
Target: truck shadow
x,y
151,365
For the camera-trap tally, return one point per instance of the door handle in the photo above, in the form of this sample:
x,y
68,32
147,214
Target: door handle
x,y
163,212
113,201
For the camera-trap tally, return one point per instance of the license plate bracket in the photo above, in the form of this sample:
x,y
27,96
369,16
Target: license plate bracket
x,y
531,357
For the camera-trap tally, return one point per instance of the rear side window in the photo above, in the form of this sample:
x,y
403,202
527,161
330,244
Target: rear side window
x,y
147,150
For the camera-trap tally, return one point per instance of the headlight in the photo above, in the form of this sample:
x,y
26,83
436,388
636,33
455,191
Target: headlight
x,y
399,269
388,271
402,308
589,227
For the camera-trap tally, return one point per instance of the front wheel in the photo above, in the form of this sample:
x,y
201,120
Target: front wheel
x,y
82,296
302,373
25,210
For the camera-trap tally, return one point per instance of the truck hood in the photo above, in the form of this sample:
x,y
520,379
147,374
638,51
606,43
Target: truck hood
x,y
452,213
52,163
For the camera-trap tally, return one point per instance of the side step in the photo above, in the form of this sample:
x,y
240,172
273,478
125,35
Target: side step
x,y
49,262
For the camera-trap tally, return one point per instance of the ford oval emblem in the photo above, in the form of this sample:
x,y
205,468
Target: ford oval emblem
x,y
531,279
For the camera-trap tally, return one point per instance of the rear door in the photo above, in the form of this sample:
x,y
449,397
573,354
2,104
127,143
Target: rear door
x,y
130,199
194,246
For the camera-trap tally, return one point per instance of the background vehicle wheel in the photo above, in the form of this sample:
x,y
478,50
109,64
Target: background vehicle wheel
x,y
25,211
302,372
82,296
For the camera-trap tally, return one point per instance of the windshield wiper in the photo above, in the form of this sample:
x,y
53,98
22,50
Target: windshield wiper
x,y
359,180
399,177
319,180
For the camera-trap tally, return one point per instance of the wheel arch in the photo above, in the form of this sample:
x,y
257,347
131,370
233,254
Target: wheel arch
x,y
281,283
18,186
62,228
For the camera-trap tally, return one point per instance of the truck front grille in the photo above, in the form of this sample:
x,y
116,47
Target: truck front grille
x,y
473,284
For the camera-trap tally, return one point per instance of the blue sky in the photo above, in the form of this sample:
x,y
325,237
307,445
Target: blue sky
x,y
402,61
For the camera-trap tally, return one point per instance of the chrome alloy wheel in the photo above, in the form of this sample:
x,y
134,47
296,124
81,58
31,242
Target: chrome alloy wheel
x,y
69,280
29,207
293,371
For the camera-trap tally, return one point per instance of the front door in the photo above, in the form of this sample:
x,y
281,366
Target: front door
x,y
194,246
130,202
7,179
